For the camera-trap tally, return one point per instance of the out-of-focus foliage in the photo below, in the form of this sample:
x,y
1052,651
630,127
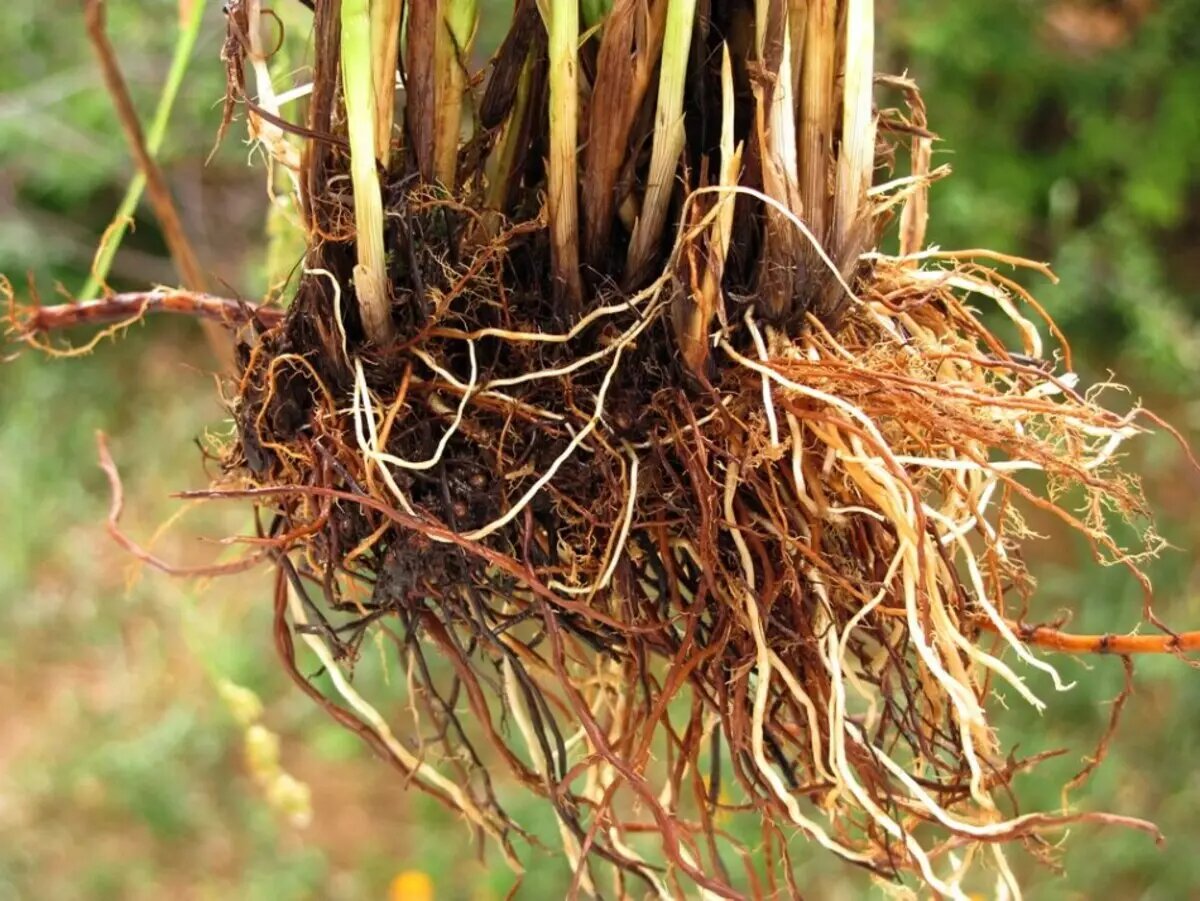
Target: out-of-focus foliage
x,y
1074,133
64,163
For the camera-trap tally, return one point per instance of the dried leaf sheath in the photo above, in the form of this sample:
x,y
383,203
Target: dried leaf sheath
x,y
781,271
695,309
421,98
385,47
817,114
628,52
668,138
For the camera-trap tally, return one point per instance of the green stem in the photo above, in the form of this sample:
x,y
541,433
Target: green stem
x,y
504,154
561,198
107,252
370,279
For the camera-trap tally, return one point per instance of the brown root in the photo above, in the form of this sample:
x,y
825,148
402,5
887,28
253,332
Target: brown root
x,y
773,580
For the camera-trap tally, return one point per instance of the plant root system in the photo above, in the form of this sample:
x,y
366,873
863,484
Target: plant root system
x,y
789,580
680,506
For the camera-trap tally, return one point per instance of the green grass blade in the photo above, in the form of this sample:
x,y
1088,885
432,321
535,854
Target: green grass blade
x,y
157,132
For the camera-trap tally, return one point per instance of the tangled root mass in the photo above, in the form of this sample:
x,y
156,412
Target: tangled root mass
x,y
781,586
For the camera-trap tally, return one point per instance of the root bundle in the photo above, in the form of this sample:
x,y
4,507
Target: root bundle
x,y
791,583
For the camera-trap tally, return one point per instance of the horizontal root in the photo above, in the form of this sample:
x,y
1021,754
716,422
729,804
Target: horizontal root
x,y
113,524
126,309
1054,639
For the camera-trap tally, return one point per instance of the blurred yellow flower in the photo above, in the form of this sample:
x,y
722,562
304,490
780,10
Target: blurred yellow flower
x,y
291,797
262,751
243,704
411,885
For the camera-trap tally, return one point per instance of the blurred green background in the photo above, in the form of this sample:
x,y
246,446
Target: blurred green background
x,y
1074,132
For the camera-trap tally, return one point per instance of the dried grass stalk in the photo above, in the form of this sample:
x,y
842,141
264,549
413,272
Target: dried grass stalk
x,y
856,155
817,112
